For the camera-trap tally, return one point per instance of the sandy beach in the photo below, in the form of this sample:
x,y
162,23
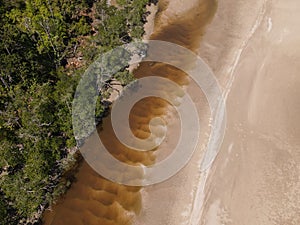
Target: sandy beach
x,y
253,49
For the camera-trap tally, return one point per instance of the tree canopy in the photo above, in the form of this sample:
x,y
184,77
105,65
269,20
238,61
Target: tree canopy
x,y
39,40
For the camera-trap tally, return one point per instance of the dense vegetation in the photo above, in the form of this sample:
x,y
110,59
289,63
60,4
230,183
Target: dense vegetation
x,y
44,48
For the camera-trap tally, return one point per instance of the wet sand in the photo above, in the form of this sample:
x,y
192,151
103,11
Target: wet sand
x,y
254,49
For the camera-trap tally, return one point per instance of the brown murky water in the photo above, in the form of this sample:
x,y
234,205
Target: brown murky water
x,y
95,200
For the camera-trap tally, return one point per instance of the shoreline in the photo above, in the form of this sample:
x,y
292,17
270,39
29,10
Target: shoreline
x,y
235,57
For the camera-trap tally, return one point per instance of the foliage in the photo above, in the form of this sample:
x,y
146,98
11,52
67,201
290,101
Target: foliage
x,y
38,38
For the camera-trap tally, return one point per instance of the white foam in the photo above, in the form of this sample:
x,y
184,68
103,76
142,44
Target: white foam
x,y
270,24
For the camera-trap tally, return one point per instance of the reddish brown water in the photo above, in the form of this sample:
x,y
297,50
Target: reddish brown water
x,y
95,200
